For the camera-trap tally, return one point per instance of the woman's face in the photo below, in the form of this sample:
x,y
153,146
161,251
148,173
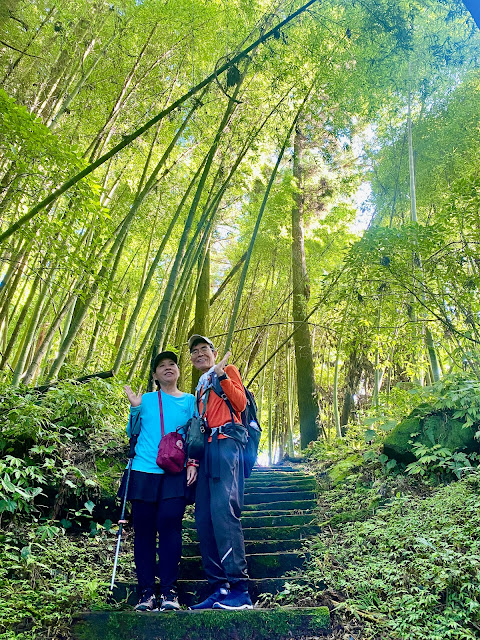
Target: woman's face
x,y
166,372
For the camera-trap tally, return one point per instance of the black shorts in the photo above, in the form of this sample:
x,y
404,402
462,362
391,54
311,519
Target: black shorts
x,y
152,487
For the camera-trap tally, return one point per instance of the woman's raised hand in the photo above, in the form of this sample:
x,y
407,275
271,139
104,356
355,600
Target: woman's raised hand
x,y
219,368
135,399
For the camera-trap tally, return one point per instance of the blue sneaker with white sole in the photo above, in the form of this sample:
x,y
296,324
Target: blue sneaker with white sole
x,y
235,601
217,596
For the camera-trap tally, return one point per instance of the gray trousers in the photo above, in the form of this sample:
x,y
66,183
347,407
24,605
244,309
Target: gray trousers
x,y
218,506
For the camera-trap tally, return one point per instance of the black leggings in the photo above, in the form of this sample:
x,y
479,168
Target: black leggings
x,y
164,518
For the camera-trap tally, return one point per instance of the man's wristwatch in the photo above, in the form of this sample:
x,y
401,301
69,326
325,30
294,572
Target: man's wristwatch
x,y
223,376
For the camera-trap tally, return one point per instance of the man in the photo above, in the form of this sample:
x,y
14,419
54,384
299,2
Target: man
x,y
220,484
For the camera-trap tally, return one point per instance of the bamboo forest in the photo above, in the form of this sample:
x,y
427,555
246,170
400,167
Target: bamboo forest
x,y
296,185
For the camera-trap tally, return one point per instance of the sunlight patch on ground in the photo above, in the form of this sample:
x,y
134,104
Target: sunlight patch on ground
x,y
262,459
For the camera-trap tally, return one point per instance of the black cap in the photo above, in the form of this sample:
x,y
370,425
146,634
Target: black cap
x,y
162,356
197,339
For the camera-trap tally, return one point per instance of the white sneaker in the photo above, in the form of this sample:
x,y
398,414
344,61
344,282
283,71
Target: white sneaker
x,y
169,602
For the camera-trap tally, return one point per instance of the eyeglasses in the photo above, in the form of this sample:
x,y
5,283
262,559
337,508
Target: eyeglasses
x,y
198,351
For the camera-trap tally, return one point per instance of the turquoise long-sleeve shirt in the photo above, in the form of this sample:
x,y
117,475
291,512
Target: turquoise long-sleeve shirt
x,y
176,412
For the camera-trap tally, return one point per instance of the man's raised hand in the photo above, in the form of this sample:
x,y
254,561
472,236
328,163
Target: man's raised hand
x,y
135,399
219,368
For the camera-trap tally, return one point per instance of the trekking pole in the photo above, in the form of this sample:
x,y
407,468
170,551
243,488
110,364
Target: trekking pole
x,y
122,521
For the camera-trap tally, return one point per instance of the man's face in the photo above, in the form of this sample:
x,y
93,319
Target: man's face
x,y
166,371
202,356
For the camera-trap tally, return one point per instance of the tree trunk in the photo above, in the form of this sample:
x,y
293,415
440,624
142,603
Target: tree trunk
x,y
23,314
63,106
306,392
101,315
243,276
202,308
29,339
102,137
290,376
428,338
50,13
43,349
59,70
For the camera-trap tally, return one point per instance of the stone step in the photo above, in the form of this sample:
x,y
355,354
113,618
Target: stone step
x,y
277,512
292,532
255,513
303,482
264,565
308,484
274,467
192,591
266,521
276,475
284,505
265,496
255,624
190,549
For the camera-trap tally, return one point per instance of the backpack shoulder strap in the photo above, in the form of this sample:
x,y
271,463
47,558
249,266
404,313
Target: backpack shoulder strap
x,y
217,387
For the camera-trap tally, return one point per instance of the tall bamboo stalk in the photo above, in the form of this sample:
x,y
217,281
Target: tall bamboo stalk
x,y
148,279
428,337
129,139
82,309
273,175
167,298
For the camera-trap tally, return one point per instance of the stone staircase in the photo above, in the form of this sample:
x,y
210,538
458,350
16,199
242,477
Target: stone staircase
x,y
278,515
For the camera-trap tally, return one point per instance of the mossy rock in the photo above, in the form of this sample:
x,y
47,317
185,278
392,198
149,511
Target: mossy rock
x,y
434,428
255,624
344,468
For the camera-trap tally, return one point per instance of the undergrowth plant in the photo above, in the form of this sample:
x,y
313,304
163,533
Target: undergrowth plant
x,y
399,549
411,572
456,393
50,443
439,462
56,450
46,576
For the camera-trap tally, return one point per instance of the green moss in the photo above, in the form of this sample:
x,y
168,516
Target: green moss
x,y
349,516
257,624
435,428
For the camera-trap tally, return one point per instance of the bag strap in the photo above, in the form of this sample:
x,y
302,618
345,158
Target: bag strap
x,y
217,387
160,405
205,400
162,422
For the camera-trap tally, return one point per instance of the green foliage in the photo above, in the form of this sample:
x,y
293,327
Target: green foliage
x,y
456,392
50,442
439,462
398,553
20,484
46,576
30,148
414,567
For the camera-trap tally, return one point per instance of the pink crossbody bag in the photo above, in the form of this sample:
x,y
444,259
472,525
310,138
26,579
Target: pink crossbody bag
x,y
171,450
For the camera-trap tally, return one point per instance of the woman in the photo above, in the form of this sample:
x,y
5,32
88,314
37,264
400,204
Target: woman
x,y
158,498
